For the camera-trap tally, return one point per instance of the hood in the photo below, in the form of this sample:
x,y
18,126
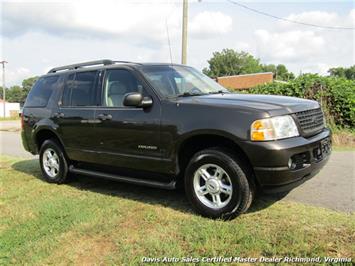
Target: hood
x,y
274,105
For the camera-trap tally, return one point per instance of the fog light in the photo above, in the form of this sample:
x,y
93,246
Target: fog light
x,y
291,164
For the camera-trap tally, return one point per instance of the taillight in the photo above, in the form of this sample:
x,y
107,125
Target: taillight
x,y
22,121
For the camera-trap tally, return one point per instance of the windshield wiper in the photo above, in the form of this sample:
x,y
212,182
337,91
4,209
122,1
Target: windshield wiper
x,y
187,94
218,92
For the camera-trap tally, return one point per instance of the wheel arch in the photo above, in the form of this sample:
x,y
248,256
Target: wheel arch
x,y
200,141
44,133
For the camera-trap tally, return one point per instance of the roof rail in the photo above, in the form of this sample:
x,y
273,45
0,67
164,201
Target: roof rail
x,y
90,63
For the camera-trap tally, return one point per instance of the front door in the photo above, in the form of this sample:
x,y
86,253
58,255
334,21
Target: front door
x,y
127,137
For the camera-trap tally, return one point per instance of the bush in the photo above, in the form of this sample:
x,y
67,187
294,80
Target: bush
x,y
336,96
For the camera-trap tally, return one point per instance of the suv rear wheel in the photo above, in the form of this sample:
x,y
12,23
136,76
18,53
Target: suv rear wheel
x,y
53,163
216,184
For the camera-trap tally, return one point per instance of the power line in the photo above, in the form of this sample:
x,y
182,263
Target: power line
x,y
289,20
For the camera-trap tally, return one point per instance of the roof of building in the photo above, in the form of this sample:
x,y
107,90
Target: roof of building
x,y
246,75
245,81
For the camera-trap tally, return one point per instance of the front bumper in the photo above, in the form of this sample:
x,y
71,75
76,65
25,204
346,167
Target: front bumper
x,y
271,160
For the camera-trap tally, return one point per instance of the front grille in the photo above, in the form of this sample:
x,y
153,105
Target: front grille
x,y
310,121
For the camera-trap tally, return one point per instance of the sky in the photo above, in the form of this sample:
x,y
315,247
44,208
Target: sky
x,y
39,35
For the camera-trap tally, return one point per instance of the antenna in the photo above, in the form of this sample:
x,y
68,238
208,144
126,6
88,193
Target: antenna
x,y
167,32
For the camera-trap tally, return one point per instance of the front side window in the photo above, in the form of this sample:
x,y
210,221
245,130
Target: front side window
x,y
118,83
172,81
41,92
80,89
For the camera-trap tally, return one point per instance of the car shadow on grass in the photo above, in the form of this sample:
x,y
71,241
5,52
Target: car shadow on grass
x,y
168,198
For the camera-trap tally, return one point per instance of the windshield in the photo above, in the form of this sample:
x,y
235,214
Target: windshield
x,y
174,81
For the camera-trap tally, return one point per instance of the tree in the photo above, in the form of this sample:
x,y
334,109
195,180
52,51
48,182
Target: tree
x,y
269,68
230,62
28,83
343,72
19,93
337,72
282,73
15,94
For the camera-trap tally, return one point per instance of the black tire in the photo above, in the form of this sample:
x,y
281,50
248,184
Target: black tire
x,y
61,175
242,192
252,194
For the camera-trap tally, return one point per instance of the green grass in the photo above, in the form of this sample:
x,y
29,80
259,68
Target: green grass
x,y
343,139
344,148
9,118
91,221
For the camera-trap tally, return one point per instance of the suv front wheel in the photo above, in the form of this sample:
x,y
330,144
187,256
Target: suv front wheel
x,y
53,163
216,184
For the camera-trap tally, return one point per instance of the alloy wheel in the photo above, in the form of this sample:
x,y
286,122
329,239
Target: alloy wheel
x,y
212,186
50,161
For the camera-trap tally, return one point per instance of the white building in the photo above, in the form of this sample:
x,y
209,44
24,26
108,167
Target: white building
x,y
11,109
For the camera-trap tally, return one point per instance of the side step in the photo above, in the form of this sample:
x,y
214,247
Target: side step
x,y
132,180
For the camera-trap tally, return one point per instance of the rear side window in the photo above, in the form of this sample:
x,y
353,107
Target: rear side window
x,y
80,89
41,92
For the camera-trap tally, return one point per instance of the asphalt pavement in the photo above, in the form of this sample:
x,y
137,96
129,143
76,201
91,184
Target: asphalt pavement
x,y
333,187
11,144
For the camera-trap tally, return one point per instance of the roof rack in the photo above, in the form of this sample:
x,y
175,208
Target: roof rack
x,y
104,62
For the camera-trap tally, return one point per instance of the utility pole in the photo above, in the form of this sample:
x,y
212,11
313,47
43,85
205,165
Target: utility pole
x,y
3,86
184,32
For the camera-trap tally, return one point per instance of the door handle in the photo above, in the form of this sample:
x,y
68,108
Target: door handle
x,y
58,115
104,117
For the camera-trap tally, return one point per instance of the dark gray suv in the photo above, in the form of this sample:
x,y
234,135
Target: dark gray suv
x,y
163,125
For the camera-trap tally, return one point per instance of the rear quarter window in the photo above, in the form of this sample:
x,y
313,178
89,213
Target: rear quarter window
x,y
41,92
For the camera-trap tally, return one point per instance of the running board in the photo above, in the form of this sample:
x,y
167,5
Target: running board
x,y
132,180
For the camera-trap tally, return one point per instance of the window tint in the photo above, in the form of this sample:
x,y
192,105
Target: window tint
x,y
41,92
118,83
80,89
67,90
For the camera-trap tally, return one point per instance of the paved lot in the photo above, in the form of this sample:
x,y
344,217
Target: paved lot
x,y
11,144
10,125
333,187
10,139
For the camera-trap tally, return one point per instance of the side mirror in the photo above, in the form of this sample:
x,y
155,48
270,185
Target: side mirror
x,y
136,99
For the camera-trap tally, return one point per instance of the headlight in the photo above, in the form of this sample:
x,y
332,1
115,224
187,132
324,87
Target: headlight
x,y
278,127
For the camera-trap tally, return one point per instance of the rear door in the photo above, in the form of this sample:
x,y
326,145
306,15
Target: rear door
x,y
76,112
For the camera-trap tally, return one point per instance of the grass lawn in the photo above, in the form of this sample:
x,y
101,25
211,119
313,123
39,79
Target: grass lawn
x,y
92,221
343,139
9,118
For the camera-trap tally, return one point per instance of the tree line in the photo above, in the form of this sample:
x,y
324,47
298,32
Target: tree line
x,y
18,94
230,62
224,63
